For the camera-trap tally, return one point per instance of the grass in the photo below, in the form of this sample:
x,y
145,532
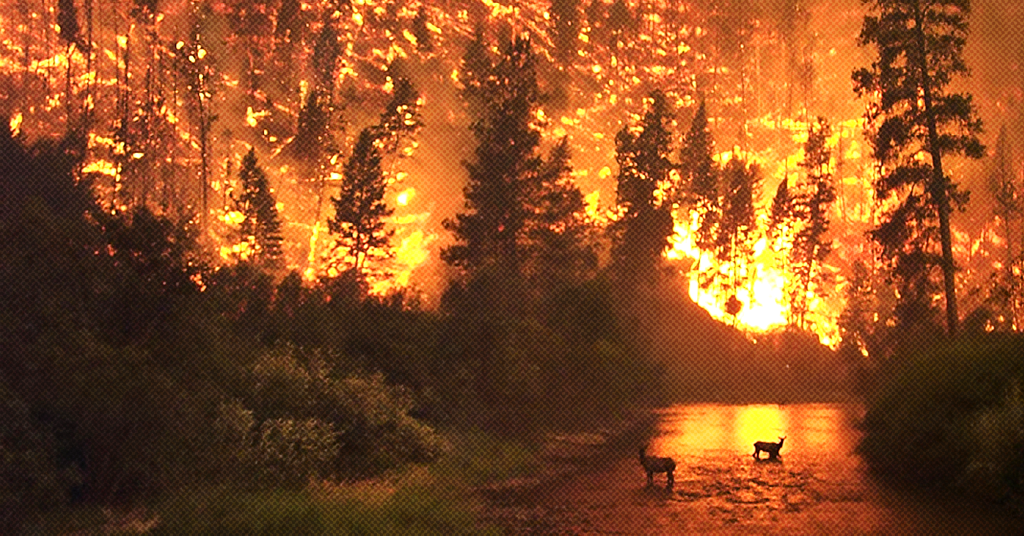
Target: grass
x,y
420,500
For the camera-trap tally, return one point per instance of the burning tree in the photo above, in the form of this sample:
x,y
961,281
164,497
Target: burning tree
x,y
641,235
1009,205
196,68
700,178
920,50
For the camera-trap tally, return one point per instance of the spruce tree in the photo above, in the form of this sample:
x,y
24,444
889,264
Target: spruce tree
x,y
700,177
565,29
261,227
811,210
737,231
920,52
505,172
563,240
360,208
644,193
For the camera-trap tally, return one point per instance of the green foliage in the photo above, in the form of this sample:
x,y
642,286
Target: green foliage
x,y
477,458
412,509
292,452
31,479
369,418
948,410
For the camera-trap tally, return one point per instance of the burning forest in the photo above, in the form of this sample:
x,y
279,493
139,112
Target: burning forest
x,y
173,95
551,183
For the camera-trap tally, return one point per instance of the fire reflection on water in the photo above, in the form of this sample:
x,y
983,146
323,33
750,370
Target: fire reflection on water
x,y
711,430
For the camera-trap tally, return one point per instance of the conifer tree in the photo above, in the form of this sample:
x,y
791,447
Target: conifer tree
x,y
920,51
504,175
811,211
360,209
700,177
261,227
561,235
644,191
737,231
424,40
565,29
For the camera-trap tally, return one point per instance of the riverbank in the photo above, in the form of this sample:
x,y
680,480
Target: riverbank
x,y
457,494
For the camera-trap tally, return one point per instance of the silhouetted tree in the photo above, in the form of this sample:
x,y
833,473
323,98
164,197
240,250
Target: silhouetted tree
x,y
424,39
261,228
737,231
563,238
811,214
196,67
700,180
504,175
641,234
565,29
920,51
360,211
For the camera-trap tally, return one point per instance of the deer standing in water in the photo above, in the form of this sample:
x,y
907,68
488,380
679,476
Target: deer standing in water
x,y
767,446
653,464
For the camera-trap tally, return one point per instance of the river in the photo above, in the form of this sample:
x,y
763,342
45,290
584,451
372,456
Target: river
x,y
819,485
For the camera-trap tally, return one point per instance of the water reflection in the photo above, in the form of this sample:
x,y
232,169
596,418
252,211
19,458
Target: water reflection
x,y
723,430
819,486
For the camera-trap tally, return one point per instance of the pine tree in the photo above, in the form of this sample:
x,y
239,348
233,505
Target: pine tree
x,y
920,51
261,227
505,173
644,192
67,21
360,209
811,210
565,29
196,66
737,231
424,40
1008,207
564,241
700,178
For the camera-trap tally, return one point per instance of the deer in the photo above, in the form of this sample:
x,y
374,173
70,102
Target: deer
x,y
654,464
767,446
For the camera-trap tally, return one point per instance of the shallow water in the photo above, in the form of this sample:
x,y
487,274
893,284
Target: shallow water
x,y
817,486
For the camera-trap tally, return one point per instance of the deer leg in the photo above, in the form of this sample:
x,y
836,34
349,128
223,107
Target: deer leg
x,y
671,478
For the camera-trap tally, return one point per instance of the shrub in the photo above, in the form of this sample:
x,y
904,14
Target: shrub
x,y
948,413
291,452
30,480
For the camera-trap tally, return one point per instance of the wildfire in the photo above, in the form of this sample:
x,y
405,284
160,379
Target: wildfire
x,y
673,46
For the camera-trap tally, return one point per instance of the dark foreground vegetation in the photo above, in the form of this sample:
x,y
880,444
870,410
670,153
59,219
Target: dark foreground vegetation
x,y
952,415
135,373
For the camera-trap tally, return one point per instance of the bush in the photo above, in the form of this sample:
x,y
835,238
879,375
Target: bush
x,y
948,414
291,452
30,480
369,417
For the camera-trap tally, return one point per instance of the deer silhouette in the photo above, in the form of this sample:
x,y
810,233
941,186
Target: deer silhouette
x,y
767,446
653,464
